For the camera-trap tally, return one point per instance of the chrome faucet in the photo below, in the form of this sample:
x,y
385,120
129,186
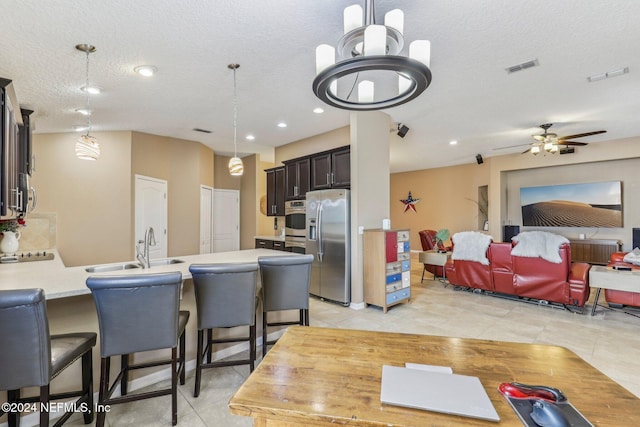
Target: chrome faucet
x,y
149,240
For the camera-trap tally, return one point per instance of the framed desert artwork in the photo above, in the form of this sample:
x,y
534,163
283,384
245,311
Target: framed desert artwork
x,y
597,204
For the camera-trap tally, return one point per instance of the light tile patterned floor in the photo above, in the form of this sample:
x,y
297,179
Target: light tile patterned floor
x,y
610,341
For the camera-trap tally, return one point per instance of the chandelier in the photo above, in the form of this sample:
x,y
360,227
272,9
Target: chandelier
x,y
370,60
87,147
236,168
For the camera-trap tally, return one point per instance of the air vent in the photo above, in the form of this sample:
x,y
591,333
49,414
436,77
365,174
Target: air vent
x,y
523,66
202,130
567,150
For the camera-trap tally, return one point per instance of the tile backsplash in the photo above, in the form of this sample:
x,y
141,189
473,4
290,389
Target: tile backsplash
x,y
39,232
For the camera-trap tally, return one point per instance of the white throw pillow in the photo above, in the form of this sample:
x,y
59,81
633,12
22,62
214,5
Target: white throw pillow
x,y
471,246
633,257
533,244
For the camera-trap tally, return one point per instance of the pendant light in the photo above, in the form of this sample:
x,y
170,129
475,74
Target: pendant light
x,y
236,168
87,147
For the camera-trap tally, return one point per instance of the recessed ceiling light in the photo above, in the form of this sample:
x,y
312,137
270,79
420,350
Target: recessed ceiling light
x,y
93,90
146,70
454,142
83,111
250,137
282,125
318,110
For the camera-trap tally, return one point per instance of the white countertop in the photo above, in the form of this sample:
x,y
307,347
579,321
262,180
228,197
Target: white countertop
x,y
59,281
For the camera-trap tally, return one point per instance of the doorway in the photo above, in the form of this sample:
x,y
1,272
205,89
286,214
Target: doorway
x,y
151,211
226,220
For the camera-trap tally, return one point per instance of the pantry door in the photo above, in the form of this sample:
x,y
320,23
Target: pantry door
x,y
226,220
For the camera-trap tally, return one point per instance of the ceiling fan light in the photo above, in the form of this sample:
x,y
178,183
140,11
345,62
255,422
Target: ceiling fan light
x,y
535,150
554,149
548,146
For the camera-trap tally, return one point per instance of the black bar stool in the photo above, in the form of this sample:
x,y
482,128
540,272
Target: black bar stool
x,y
226,297
139,313
285,286
30,357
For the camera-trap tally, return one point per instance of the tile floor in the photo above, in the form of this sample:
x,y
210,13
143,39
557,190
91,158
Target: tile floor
x,y
609,341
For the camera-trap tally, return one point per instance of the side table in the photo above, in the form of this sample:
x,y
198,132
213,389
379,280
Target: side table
x,y
436,259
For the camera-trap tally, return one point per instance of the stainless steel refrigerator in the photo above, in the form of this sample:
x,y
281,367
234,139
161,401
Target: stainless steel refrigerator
x,y
328,239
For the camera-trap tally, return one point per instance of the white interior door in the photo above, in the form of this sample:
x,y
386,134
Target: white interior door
x,y
151,211
226,220
206,219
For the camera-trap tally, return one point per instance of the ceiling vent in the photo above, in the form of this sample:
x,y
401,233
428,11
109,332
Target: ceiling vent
x,y
523,66
202,130
567,150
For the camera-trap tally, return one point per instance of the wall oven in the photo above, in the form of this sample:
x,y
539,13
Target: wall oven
x,y
294,222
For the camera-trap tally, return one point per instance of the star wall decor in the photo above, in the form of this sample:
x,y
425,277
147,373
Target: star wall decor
x,y
410,203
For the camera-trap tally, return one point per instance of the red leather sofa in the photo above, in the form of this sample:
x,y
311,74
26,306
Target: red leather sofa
x,y
564,283
620,298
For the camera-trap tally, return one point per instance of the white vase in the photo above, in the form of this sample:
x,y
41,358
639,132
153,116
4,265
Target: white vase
x,y
9,244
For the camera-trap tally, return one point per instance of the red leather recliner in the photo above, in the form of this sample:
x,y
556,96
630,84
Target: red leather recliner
x,y
564,283
427,239
622,297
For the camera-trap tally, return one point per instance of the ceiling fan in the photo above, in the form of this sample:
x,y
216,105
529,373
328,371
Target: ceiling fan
x,y
549,141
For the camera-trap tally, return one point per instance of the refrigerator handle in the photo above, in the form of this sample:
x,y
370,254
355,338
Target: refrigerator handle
x,y
319,216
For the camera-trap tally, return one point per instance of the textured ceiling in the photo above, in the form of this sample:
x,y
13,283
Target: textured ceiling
x,y
471,99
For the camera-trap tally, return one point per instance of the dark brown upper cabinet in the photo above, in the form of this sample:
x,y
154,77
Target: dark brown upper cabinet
x,y
275,191
297,178
331,169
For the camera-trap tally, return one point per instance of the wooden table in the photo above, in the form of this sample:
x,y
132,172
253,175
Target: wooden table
x,y
438,259
607,278
329,377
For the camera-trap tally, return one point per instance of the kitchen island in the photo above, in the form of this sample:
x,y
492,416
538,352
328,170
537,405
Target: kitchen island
x,y
70,308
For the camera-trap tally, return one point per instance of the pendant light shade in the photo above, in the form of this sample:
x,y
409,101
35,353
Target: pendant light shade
x,y
236,168
87,147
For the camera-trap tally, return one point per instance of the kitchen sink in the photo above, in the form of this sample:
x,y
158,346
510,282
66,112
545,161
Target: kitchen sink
x,y
112,267
164,261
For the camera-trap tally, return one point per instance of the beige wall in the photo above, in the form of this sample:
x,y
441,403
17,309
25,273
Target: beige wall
x,y
92,201
447,194
447,199
315,144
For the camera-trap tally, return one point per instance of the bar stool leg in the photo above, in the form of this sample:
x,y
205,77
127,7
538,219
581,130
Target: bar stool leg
x,y
124,366
44,400
199,357
87,384
209,349
183,358
174,386
105,365
252,346
13,417
264,334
